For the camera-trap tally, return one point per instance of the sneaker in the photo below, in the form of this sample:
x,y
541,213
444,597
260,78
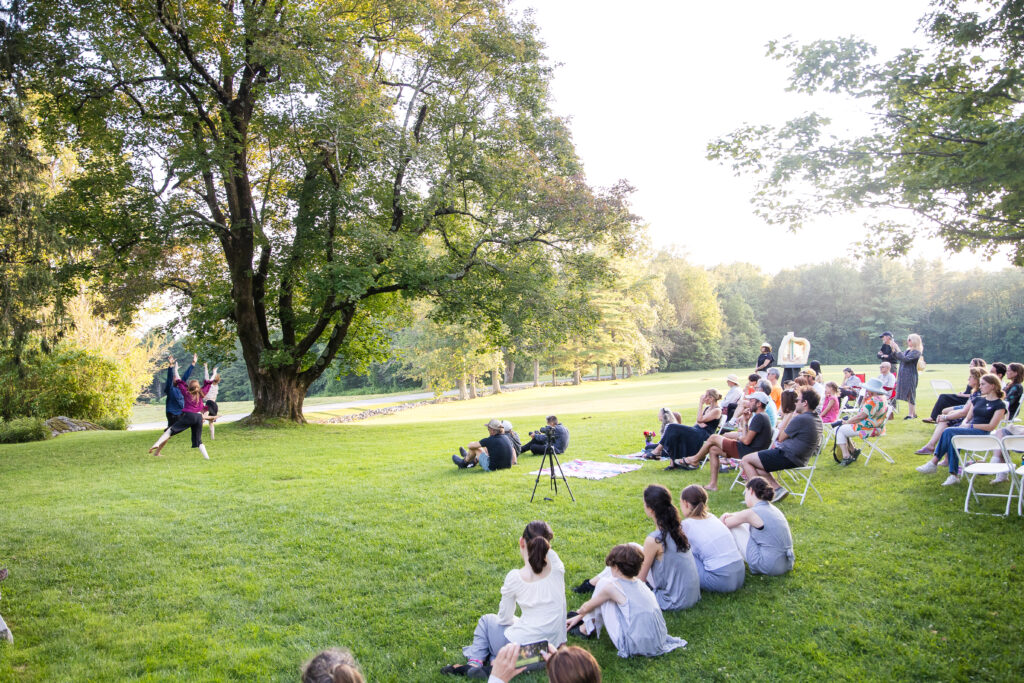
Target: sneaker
x,y
7,635
927,468
999,479
463,452
460,462
722,469
455,669
780,493
951,479
479,672
583,588
854,453
846,462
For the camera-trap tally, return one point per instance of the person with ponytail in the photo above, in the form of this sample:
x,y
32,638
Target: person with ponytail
x,y
761,532
719,564
211,396
191,416
336,665
668,566
538,587
626,607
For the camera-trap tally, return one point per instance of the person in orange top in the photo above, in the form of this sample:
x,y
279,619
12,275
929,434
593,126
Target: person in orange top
x,y
776,393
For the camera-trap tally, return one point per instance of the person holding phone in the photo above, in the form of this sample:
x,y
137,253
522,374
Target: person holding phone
x,y
538,587
626,608
567,664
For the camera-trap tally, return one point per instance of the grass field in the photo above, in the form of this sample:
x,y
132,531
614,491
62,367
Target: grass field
x,y
125,567
155,412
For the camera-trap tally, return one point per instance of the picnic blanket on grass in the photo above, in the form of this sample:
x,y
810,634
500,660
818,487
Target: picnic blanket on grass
x,y
639,455
589,469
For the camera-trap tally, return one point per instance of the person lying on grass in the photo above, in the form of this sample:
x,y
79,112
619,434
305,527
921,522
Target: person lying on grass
x,y
755,435
984,413
719,565
761,532
668,566
567,664
336,665
538,587
626,608
797,443
495,452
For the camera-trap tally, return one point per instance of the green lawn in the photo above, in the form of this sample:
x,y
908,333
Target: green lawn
x,y
125,567
155,412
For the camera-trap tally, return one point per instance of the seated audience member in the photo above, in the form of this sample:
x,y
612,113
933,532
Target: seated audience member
x,y
761,531
830,404
538,588
554,432
752,381
517,445
776,392
567,664
755,436
851,385
336,665
797,443
765,387
983,416
626,608
1014,389
789,398
818,375
813,381
668,566
5,631
869,420
493,453
947,401
732,396
680,441
719,564
886,376
952,416
557,436
999,370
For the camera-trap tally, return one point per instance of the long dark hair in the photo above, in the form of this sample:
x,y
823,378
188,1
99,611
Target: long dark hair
x,y
666,515
761,489
538,539
1018,373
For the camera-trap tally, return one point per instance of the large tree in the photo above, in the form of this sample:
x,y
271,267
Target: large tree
x,y
947,144
290,168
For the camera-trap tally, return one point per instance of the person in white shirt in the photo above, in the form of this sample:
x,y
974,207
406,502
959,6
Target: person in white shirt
x,y
732,396
886,377
538,587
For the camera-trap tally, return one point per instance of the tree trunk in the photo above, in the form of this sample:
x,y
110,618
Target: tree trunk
x,y
536,372
554,382
496,380
612,366
597,372
628,370
472,386
277,393
510,371
461,385
577,377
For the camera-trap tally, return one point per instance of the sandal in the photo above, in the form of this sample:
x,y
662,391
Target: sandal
x,y
925,451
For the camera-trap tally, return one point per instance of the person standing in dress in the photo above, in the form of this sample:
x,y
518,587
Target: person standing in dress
x,y
906,378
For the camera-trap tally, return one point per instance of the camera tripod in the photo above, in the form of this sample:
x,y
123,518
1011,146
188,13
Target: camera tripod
x,y
549,456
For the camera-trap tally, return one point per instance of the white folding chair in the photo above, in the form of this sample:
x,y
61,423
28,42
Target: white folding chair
x,y
941,386
803,474
1010,419
739,470
872,441
852,410
1014,446
982,447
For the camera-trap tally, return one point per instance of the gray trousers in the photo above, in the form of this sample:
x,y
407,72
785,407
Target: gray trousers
x,y
724,579
3,625
488,638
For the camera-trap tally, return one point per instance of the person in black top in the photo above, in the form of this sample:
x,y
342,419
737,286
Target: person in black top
x,y
755,436
557,433
765,360
1014,390
494,452
886,354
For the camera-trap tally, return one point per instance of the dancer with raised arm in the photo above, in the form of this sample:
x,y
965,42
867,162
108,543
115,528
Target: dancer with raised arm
x,y
211,396
191,415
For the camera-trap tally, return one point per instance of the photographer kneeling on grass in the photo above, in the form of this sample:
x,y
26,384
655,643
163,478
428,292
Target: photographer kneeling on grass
x,y
493,453
555,432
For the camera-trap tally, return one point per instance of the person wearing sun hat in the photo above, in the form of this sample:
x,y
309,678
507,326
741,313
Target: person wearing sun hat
x,y
869,420
495,452
732,396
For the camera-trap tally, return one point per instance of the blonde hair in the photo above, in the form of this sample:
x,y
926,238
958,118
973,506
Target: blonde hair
x,y
914,342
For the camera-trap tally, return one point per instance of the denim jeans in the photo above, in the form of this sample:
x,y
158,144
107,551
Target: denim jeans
x,y
945,447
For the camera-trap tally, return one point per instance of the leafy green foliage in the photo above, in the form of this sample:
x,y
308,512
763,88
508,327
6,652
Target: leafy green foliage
x,y
946,144
23,429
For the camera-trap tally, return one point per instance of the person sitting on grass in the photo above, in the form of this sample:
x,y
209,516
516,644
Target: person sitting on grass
x,y
797,444
507,430
567,664
680,441
719,565
983,416
538,587
761,531
755,436
5,631
493,453
668,566
666,416
868,422
626,608
336,665
952,416
557,435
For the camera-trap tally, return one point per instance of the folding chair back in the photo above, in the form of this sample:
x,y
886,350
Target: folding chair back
x,y
798,476
982,448
940,386
872,441
1013,447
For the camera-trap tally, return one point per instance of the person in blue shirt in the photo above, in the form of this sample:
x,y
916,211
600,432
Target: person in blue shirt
x,y
175,402
556,432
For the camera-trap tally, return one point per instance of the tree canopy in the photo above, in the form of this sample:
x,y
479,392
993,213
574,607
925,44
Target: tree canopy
x,y
291,169
947,143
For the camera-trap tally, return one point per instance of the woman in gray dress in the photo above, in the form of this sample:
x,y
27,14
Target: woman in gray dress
x,y
906,380
625,607
761,531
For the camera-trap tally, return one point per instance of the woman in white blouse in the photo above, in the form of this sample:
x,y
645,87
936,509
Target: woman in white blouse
x,y
538,587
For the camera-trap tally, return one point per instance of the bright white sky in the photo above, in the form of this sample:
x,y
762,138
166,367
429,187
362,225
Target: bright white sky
x,y
649,83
